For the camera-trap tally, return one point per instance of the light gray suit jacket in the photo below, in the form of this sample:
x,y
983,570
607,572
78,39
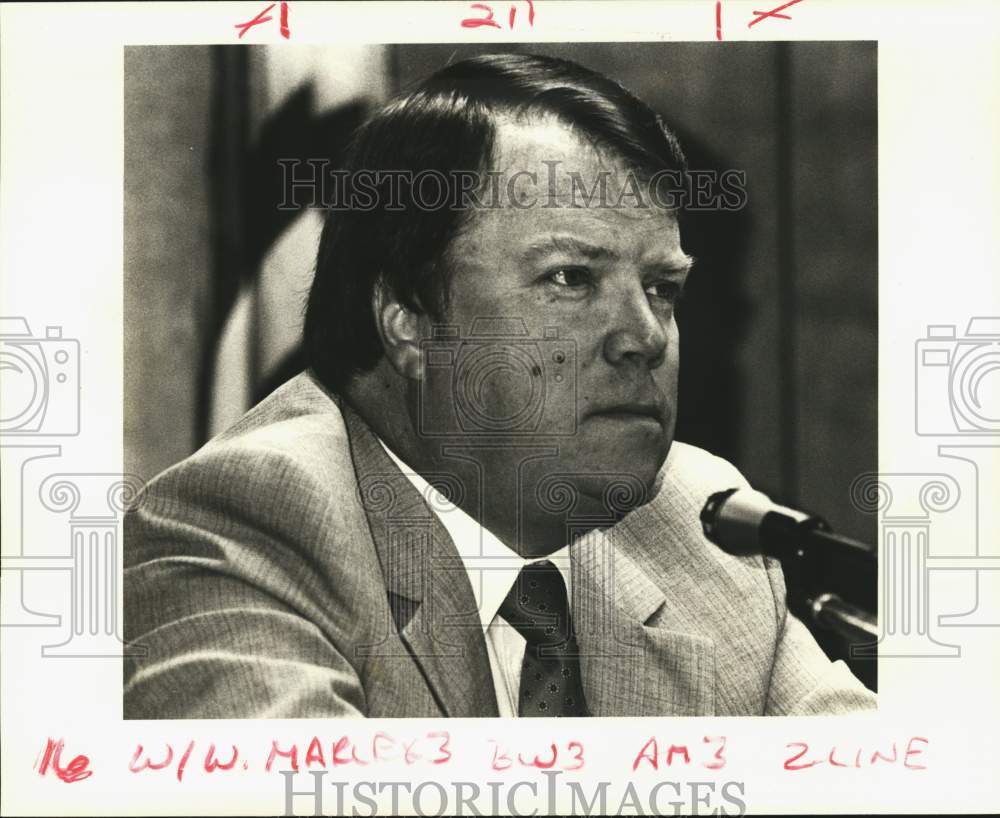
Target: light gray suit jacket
x,y
289,569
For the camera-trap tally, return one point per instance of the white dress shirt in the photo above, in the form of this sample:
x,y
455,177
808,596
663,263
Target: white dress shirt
x,y
492,568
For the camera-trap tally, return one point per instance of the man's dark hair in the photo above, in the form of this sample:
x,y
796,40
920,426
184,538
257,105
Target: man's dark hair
x,y
446,124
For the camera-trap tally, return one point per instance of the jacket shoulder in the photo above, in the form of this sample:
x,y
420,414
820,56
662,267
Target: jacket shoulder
x,y
694,471
246,565
278,483
299,421
295,439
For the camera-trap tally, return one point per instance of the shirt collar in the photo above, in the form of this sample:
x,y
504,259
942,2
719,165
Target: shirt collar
x,y
491,565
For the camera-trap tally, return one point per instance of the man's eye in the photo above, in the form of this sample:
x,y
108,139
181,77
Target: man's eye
x,y
666,290
570,277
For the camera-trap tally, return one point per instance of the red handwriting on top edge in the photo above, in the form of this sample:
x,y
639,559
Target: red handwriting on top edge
x,y
650,753
264,17
763,15
76,770
835,758
487,20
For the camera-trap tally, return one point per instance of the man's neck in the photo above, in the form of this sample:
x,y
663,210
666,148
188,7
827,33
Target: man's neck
x,y
496,501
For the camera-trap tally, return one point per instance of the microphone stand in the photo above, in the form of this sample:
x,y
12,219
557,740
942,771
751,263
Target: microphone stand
x,y
848,620
807,550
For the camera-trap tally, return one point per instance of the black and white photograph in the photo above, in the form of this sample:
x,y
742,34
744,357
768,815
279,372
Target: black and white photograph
x,y
442,352
510,407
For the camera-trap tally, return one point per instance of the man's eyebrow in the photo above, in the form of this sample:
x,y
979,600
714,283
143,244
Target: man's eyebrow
x,y
559,243
677,264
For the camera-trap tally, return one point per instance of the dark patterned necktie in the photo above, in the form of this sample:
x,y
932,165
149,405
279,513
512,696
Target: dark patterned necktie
x,y
538,608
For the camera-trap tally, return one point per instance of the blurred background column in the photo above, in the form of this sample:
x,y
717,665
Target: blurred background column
x,y
216,273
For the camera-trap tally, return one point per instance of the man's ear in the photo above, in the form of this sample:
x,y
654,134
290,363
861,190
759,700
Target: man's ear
x,y
401,330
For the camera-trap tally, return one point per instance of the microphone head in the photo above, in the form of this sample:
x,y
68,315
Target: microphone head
x,y
745,521
710,511
731,519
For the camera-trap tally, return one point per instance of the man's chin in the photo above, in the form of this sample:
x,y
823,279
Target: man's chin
x,y
613,485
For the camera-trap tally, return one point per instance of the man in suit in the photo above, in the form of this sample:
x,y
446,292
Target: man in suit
x,y
471,504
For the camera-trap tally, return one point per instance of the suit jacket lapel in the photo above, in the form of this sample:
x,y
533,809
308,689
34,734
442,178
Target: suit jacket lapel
x,y
429,592
631,667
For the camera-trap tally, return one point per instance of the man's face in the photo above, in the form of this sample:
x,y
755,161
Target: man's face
x,y
606,278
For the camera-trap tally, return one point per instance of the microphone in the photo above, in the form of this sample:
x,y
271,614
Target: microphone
x,y
745,521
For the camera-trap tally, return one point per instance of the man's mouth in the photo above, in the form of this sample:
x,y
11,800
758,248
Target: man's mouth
x,y
633,412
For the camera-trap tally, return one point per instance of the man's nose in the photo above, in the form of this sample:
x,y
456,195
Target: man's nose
x,y
636,334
